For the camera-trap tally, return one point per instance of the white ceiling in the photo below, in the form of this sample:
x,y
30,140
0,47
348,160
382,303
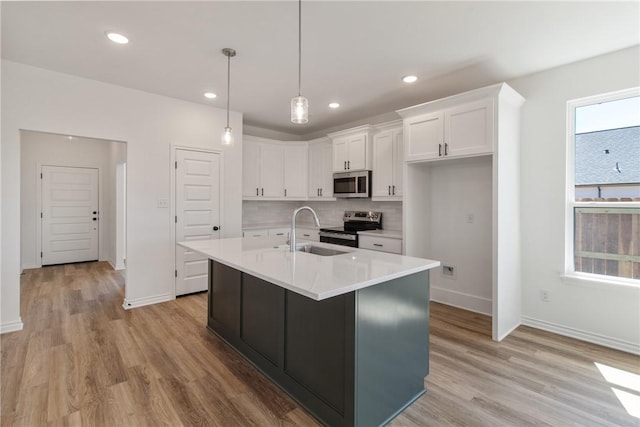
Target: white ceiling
x,y
353,52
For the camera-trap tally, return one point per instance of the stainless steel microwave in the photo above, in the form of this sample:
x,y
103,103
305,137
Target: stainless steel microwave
x,y
352,184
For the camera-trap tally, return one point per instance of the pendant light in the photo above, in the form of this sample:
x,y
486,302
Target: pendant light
x,y
299,104
227,134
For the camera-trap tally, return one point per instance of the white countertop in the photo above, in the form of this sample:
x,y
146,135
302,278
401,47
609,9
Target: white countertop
x,y
314,276
391,234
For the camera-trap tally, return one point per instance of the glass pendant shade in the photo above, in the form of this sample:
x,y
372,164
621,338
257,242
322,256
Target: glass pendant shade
x,y
227,137
299,109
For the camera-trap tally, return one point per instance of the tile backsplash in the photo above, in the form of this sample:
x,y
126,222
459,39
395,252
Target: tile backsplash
x,y
330,213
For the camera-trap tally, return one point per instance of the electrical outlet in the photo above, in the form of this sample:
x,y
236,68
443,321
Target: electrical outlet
x,y
449,271
163,203
544,295
470,218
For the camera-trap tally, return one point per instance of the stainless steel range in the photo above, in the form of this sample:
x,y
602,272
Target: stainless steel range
x,y
354,221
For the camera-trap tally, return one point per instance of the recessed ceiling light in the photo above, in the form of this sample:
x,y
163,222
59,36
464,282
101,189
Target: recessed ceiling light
x,y
409,79
117,38
210,95
334,105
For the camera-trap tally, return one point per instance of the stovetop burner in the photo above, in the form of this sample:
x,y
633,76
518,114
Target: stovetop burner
x,y
355,221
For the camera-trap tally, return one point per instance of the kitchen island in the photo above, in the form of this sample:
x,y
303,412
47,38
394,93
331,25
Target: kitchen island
x,y
344,331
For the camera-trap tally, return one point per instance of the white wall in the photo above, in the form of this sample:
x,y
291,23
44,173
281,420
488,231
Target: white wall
x,y
601,313
46,101
38,148
459,190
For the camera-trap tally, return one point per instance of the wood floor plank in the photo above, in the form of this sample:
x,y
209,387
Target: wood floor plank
x,y
82,360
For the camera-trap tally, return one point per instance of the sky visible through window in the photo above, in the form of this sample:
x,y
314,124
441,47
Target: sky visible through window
x,y
608,115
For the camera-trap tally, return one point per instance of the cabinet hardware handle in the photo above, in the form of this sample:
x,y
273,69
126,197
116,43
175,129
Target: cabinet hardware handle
x,y
279,234
439,149
394,190
257,193
216,228
285,192
446,149
263,191
378,244
389,191
348,164
345,165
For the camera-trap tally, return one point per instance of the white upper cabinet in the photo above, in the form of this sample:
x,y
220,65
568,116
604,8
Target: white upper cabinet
x,y
271,170
388,159
424,136
320,169
295,170
250,168
469,129
274,170
352,149
459,131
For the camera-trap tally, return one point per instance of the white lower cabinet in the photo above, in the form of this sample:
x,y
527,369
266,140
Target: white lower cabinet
x,y
266,232
255,233
382,244
307,234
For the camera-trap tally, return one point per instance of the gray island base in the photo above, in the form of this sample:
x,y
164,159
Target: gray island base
x,y
356,359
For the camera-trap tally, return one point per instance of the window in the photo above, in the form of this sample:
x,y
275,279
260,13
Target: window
x,y
603,203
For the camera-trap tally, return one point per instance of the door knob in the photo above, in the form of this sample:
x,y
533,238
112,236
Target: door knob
x,y
95,212
216,228
95,219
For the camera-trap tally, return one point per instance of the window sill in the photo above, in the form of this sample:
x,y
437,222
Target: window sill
x,y
597,281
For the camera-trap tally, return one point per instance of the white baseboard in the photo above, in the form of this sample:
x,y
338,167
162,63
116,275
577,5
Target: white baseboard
x,y
14,326
461,300
29,265
566,331
120,266
141,302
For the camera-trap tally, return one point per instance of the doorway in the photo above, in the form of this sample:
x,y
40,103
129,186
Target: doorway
x,y
70,214
197,214
70,154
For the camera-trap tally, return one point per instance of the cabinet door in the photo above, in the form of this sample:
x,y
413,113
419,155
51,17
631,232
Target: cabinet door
x,y
250,170
469,129
320,170
315,170
295,171
340,155
424,136
357,153
398,163
382,176
326,172
272,170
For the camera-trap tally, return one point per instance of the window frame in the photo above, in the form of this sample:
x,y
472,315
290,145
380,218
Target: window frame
x,y
570,200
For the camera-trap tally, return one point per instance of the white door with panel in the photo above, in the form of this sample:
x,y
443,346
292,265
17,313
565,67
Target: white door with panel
x,y
197,190
70,215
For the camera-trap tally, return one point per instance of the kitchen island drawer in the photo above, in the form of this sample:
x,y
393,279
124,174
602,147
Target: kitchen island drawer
x,y
383,244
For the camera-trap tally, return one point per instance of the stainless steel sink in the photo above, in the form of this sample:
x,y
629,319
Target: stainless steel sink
x,y
319,250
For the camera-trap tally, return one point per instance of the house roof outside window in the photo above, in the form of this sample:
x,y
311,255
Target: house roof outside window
x,y
608,157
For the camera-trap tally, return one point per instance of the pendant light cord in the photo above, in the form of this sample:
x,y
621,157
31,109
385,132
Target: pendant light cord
x,y
299,46
228,85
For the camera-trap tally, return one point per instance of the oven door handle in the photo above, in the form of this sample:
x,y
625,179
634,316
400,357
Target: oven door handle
x,y
342,236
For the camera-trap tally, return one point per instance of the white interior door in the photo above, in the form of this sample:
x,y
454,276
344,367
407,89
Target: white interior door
x,y
70,215
197,214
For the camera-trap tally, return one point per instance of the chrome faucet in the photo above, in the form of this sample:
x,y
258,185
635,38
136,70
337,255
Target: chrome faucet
x,y
292,234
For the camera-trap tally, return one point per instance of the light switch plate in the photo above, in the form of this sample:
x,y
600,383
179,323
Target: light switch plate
x,y
163,203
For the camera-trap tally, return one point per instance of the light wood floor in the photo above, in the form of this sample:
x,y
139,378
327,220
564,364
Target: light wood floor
x,y
83,360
